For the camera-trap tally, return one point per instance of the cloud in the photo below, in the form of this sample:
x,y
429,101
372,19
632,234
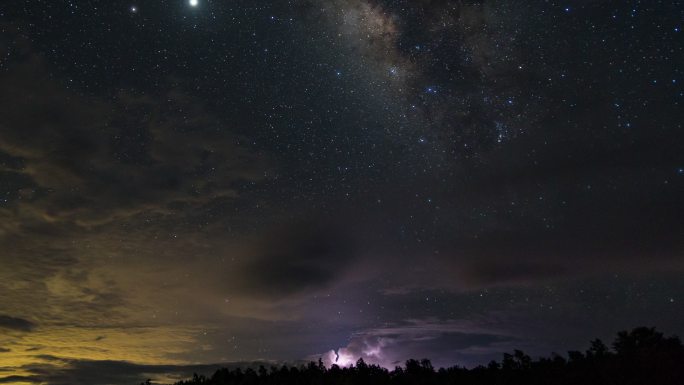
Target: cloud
x,y
302,258
498,258
95,185
441,341
17,324
20,379
60,371
63,371
5,350
92,161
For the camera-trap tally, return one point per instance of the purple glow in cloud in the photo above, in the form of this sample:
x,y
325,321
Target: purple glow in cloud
x,y
392,346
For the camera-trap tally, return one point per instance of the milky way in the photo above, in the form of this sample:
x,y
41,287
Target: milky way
x,y
184,186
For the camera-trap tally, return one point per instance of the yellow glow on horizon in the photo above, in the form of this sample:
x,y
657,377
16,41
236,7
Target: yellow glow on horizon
x,y
142,345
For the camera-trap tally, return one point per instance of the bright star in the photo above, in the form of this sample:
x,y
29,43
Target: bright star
x,y
194,3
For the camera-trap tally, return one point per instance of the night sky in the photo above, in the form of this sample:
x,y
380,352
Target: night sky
x,y
190,183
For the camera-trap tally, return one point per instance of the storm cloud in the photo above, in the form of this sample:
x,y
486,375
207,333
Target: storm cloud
x,y
15,323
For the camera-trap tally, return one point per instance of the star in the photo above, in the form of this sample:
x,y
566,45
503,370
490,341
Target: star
x,y
193,3
134,9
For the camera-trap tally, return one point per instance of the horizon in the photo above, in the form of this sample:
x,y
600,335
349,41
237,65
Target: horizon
x,y
192,182
626,346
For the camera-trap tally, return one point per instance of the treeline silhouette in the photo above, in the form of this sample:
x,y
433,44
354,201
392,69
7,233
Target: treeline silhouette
x,y
642,356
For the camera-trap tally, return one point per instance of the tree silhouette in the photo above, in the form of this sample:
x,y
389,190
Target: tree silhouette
x,y
641,356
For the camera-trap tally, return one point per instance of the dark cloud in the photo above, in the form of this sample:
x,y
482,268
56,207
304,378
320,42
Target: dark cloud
x,y
301,259
569,251
5,350
20,379
15,323
33,349
92,161
61,371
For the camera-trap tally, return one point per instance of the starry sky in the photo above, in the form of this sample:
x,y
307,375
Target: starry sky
x,y
185,184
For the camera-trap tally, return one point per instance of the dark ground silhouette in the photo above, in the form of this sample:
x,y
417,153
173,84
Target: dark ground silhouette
x,y
642,356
